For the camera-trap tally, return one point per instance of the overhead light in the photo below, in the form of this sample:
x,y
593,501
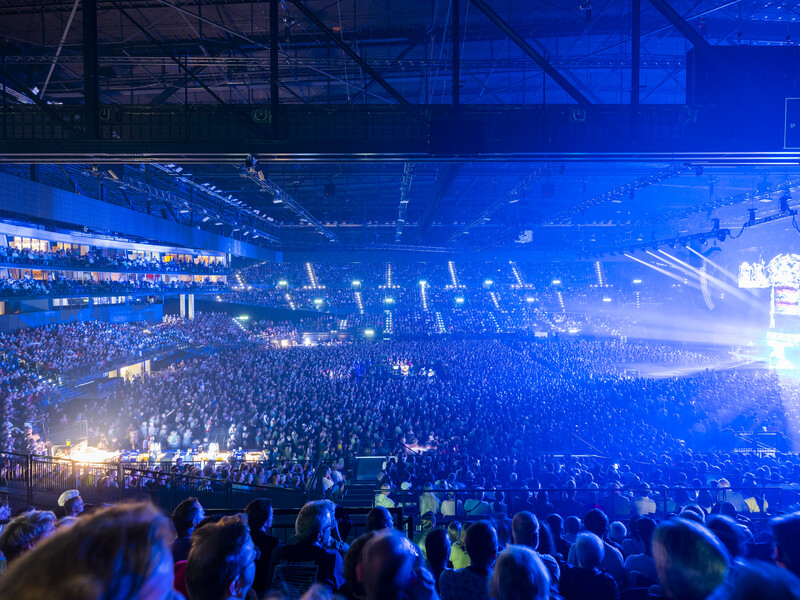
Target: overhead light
x,y
184,210
556,282
235,230
218,223
206,219
277,201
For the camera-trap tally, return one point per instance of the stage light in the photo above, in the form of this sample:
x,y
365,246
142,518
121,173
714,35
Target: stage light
x,y
637,281
283,282
356,283
488,282
556,282
389,300
459,300
423,283
606,299
206,219
369,332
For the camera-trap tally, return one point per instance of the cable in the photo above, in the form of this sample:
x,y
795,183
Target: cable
x,y
738,235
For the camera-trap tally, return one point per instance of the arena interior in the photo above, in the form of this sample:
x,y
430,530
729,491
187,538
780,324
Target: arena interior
x,y
399,299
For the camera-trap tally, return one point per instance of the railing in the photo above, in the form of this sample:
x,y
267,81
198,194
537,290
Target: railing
x,y
616,504
114,482
353,526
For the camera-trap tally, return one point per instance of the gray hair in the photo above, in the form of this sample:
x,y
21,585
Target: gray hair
x,y
311,519
519,574
589,550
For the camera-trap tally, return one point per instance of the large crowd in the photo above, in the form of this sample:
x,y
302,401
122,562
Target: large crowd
x,y
82,552
106,259
31,359
60,285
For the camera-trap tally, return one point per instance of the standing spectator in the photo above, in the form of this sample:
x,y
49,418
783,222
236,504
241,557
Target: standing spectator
x,y
472,581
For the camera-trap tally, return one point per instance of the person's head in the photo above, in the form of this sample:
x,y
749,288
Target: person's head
x,y
556,523
314,522
755,580
437,547
221,562
186,516
352,560
428,521
379,518
617,532
481,543
596,522
391,568
71,502
645,527
259,514
589,550
786,534
690,561
117,552
454,531
25,531
519,574
525,529
727,531
572,525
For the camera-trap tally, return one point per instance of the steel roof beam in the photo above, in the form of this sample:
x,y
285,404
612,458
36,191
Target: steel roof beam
x,y
540,60
311,16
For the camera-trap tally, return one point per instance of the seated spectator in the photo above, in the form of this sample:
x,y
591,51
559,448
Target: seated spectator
x,y
572,527
690,561
259,520
786,535
476,506
525,529
427,524
353,588
379,518
186,516
221,563
616,535
437,552
472,581
596,522
758,580
382,498
458,549
556,524
117,552
71,502
296,567
392,569
24,532
519,575
582,578
640,569
729,532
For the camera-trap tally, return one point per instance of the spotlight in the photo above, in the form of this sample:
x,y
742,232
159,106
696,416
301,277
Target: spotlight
x,y
752,220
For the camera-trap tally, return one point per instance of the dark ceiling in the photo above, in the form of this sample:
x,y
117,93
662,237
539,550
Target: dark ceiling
x,y
223,50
